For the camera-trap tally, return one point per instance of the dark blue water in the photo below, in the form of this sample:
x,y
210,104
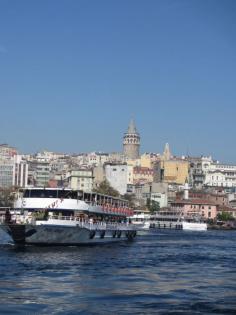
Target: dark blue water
x,y
171,272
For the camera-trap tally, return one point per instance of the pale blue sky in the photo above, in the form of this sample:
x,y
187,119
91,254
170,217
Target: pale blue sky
x,y
73,73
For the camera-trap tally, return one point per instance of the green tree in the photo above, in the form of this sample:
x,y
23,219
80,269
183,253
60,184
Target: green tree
x,y
152,205
106,189
130,198
225,216
6,197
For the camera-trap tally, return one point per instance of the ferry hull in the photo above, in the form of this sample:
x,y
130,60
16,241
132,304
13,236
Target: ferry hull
x,y
27,234
194,226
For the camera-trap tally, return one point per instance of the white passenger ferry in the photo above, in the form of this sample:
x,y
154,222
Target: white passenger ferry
x,y
67,217
171,219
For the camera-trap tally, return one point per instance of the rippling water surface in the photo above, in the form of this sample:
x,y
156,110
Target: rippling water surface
x,y
169,272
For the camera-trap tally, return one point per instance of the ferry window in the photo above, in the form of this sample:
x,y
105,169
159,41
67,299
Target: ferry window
x,y
69,194
26,194
43,193
50,193
35,193
62,193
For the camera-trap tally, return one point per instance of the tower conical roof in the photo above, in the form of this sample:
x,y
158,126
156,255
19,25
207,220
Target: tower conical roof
x,y
132,128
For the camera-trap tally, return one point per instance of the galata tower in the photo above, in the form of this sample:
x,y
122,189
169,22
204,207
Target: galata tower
x,y
131,142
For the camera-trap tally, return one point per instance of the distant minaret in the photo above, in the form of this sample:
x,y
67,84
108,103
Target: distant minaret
x,y
166,153
131,142
186,190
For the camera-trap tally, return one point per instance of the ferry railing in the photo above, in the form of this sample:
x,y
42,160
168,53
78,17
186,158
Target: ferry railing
x,y
89,224
95,225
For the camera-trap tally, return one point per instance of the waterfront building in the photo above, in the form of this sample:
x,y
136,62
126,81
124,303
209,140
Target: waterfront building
x,y
192,207
131,142
215,197
81,179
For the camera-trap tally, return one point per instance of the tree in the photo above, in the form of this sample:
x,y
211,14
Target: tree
x,y
130,198
152,205
6,197
225,216
106,189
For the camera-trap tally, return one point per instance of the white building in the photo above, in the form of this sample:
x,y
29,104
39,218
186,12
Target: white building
x,y
39,173
97,158
117,176
161,198
221,175
6,173
130,174
21,171
157,192
81,179
13,172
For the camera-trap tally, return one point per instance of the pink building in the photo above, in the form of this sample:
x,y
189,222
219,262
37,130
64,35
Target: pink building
x,y
203,208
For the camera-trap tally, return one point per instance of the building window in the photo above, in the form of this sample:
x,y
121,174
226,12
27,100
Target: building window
x,y
209,214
